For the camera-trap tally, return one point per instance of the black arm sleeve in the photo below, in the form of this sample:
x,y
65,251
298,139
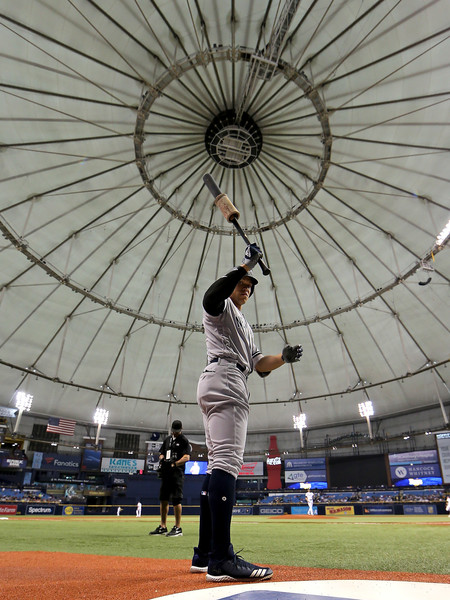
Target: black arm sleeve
x,y
220,290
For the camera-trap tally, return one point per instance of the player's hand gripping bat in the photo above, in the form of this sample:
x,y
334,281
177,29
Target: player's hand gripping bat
x,y
230,212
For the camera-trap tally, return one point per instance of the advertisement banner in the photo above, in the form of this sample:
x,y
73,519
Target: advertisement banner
x,y
70,511
413,458
39,509
339,510
378,510
415,471
91,460
56,462
419,509
263,510
304,476
302,510
299,464
122,465
249,469
8,509
443,446
13,463
242,510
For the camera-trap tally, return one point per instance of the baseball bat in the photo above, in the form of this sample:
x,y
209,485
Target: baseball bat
x,y
230,212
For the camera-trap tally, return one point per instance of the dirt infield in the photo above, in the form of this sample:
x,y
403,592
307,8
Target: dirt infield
x,y
59,575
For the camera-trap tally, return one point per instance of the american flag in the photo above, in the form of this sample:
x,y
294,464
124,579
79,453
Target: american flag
x,y
63,426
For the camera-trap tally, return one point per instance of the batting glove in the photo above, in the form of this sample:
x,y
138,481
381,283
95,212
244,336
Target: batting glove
x,y
292,354
252,254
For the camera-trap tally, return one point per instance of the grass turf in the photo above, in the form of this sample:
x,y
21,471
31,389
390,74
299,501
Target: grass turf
x,y
409,544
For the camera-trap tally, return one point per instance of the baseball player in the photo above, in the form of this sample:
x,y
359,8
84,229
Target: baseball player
x,y
223,398
138,509
447,505
310,500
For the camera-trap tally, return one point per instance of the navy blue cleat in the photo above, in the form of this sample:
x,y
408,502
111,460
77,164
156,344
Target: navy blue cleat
x,y
235,568
199,562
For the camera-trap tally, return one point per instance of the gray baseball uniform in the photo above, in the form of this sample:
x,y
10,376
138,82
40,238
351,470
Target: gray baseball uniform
x,y
222,392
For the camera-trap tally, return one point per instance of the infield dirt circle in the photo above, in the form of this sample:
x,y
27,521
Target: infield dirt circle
x,y
59,575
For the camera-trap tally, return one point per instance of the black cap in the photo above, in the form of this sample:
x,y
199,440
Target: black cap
x,y
254,281
177,426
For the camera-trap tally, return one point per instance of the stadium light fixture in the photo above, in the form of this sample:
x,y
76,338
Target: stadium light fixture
x,y
366,410
101,418
300,424
443,237
23,403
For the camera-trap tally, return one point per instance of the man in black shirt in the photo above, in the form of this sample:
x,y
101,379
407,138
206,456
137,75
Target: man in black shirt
x,y
175,452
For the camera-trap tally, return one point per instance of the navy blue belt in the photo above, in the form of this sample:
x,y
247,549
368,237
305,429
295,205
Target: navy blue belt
x,y
240,367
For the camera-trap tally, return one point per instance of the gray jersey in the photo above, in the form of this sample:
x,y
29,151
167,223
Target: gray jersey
x,y
230,336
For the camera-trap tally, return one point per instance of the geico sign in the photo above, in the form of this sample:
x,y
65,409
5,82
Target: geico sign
x,y
271,511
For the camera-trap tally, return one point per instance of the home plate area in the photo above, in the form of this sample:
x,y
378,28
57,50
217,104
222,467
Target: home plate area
x,y
322,590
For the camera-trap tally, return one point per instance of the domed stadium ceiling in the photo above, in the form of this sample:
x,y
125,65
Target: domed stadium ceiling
x,y
325,122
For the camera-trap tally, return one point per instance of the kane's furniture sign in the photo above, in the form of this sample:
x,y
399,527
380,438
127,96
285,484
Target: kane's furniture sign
x,y
122,465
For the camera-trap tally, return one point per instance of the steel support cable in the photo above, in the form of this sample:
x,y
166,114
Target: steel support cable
x,y
127,62
73,234
376,226
194,288
331,110
152,54
37,91
369,385
104,158
350,73
387,234
63,141
382,79
385,159
310,59
66,66
274,287
340,34
363,39
205,30
141,304
181,267
65,114
66,185
396,117
311,337
178,40
29,315
377,292
425,306
73,312
286,83
258,42
386,57
390,143
69,48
